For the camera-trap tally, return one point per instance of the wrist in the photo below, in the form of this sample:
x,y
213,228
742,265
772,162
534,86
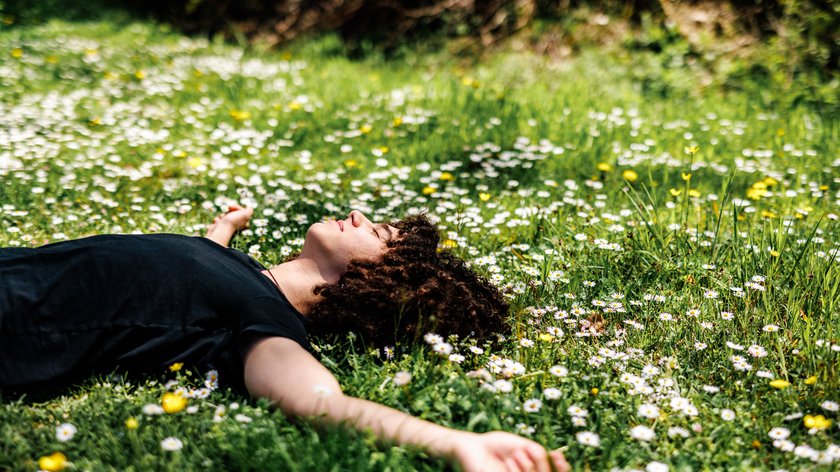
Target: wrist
x,y
448,443
222,225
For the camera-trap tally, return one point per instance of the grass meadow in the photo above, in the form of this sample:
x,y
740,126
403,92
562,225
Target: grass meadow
x,y
669,249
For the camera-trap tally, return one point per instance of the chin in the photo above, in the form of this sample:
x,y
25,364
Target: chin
x,y
318,237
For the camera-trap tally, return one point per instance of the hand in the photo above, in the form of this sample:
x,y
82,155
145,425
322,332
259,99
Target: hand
x,y
237,217
505,452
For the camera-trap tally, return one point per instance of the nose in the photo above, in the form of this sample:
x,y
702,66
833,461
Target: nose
x,y
358,218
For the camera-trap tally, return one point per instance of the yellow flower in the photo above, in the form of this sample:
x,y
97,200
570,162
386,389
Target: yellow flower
x,y
811,380
397,122
240,115
630,175
384,149
295,105
755,193
484,196
692,150
816,422
675,192
173,402
693,193
594,391
193,162
768,181
365,129
469,81
131,423
176,367
351,163
545,337
17,53
450,243
780,132
768,214
447,176
779,383
140,75
604,166
775,253
53,463
685,176
427,190
95,121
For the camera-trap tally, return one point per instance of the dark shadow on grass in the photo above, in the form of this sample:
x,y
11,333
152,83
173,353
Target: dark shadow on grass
x,y
35,12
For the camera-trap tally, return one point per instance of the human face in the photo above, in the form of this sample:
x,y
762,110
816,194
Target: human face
x,y
334,243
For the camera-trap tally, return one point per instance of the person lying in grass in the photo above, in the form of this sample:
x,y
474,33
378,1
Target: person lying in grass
x,y
139,303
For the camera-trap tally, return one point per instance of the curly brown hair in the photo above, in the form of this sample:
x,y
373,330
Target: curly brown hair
x,y
415,288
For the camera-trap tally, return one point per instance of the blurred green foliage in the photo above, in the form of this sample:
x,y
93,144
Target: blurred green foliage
x,y
790,46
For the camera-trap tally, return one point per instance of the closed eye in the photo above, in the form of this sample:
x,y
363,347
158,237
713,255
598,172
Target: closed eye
x,y
379,234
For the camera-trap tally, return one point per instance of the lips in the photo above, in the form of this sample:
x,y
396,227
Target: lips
x,y
340,224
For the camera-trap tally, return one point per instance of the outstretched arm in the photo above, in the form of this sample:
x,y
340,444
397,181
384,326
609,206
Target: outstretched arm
x,y
282,371
224,226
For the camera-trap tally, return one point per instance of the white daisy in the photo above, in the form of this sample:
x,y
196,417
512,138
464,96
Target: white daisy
x,y
642,433
551,393
830,405
675,431
65,432
152,409
558,371
779,433
648,411
575,410
444,349
588,438
171,444
532,406
402,378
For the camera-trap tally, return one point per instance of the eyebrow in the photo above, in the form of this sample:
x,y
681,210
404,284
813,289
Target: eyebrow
x,y
388,229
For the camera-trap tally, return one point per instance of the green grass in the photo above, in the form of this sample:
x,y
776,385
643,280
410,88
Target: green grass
x,y
117,126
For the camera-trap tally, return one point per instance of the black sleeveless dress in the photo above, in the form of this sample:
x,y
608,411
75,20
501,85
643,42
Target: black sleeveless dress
x,y
133,303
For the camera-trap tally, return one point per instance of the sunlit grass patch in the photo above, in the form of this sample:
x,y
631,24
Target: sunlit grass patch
x,y
671,260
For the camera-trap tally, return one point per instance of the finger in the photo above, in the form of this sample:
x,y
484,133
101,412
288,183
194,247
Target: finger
x,y
512,466
523,460
539,456
560,463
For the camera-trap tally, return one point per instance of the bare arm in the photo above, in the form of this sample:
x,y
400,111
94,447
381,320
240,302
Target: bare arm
x,y
225,226
282,371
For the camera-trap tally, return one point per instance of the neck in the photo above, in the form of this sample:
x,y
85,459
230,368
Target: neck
x,y
297,279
